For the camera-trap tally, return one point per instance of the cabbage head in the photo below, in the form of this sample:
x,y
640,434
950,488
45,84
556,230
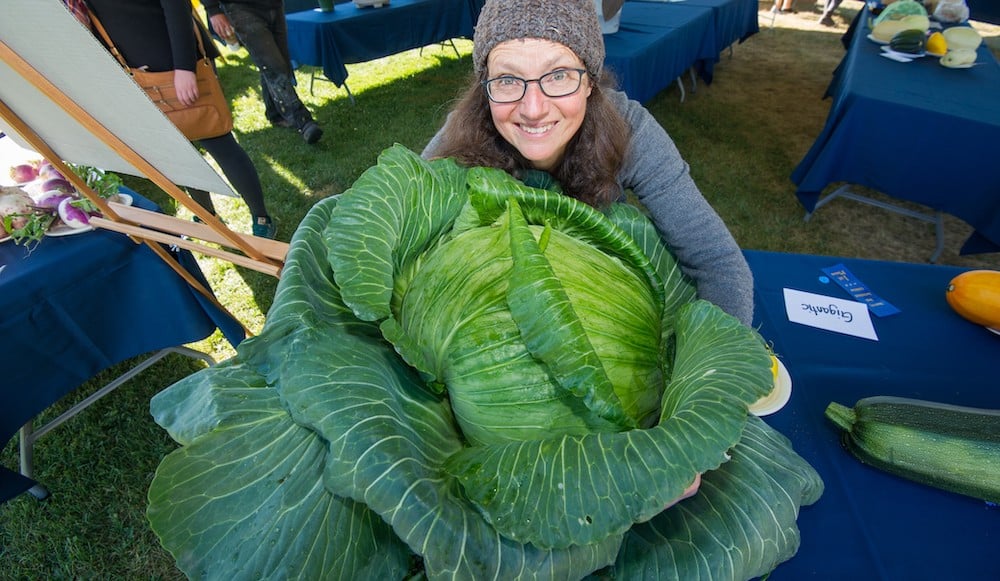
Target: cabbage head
x,y
465,377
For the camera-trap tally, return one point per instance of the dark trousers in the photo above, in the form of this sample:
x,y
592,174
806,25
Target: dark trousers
x,y
238,168
265,35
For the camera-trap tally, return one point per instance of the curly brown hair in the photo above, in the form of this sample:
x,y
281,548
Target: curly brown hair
x,y
589,169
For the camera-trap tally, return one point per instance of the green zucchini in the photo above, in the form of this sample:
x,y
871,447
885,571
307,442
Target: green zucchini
x,y
945,446
908,41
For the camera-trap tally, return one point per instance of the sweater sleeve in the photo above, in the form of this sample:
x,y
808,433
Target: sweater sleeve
x,y
659,177
180,29
430,150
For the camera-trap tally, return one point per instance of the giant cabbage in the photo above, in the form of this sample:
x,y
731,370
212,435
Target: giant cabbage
x,y
472,378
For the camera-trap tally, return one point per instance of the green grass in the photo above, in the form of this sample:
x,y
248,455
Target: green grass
x,y
742,136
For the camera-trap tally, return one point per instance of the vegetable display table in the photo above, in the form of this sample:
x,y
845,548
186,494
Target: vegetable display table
x,y
869,524
915,131
76,305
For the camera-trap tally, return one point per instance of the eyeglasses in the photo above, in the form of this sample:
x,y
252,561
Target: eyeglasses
x,y
510,89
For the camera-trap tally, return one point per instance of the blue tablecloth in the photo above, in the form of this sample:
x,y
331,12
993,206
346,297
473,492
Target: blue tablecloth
x,y
984,10
734,21
76,305
915,131
657,42
869,524
349,34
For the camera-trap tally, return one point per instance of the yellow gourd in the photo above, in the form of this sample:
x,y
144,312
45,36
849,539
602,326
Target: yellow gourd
x,y
936,44
975,295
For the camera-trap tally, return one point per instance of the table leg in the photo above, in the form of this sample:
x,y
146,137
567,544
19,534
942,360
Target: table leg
x,y
28,435
443,43
937,218
313,77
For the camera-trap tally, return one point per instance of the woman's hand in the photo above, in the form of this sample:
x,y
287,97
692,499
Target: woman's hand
x,y
688,492
186,85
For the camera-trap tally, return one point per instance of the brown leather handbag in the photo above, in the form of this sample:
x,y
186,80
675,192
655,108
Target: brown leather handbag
x,y
209,116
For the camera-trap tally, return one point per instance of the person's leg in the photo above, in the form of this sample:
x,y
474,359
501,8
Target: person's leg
x,y
826,18
256,31
783,6
241,173
203,198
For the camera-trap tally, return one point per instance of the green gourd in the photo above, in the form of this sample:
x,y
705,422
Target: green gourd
x,y
950,447
908,41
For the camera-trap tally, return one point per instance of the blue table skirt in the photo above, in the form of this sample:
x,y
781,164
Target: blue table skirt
x,y
984,10
76,305
349,34
914,131
656,43
733,20
869,524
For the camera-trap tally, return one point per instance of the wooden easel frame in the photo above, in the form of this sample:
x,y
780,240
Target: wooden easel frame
x,y
143,226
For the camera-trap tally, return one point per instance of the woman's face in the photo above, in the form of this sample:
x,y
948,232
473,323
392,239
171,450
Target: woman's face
x,y
539,127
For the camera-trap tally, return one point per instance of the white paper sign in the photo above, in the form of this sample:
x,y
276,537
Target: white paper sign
x,y
832,314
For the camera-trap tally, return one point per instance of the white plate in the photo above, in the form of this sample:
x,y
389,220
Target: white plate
x,y
5,238
990,329
64,230
905,55
968,66
877,41
123,199
778,397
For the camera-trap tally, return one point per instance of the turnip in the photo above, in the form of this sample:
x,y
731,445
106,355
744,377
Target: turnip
x,y
51,199
72,216
23,173
47,171
58,184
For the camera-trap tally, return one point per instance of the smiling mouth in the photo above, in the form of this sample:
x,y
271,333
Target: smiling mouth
x,y
537,130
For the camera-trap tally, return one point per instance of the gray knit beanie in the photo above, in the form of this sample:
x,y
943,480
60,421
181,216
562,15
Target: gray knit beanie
x,y
572,23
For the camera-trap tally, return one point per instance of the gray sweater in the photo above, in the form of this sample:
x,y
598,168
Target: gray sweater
x,y
658,176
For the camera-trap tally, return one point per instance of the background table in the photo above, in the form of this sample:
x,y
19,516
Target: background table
x,y
349,34
984,10
869,524
656,43
76,305
733,21
915,131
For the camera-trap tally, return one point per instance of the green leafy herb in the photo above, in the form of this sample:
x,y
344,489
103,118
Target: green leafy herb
x,y
105,184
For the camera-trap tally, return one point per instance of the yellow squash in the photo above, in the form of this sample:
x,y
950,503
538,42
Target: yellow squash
x,y
937,45
975,295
